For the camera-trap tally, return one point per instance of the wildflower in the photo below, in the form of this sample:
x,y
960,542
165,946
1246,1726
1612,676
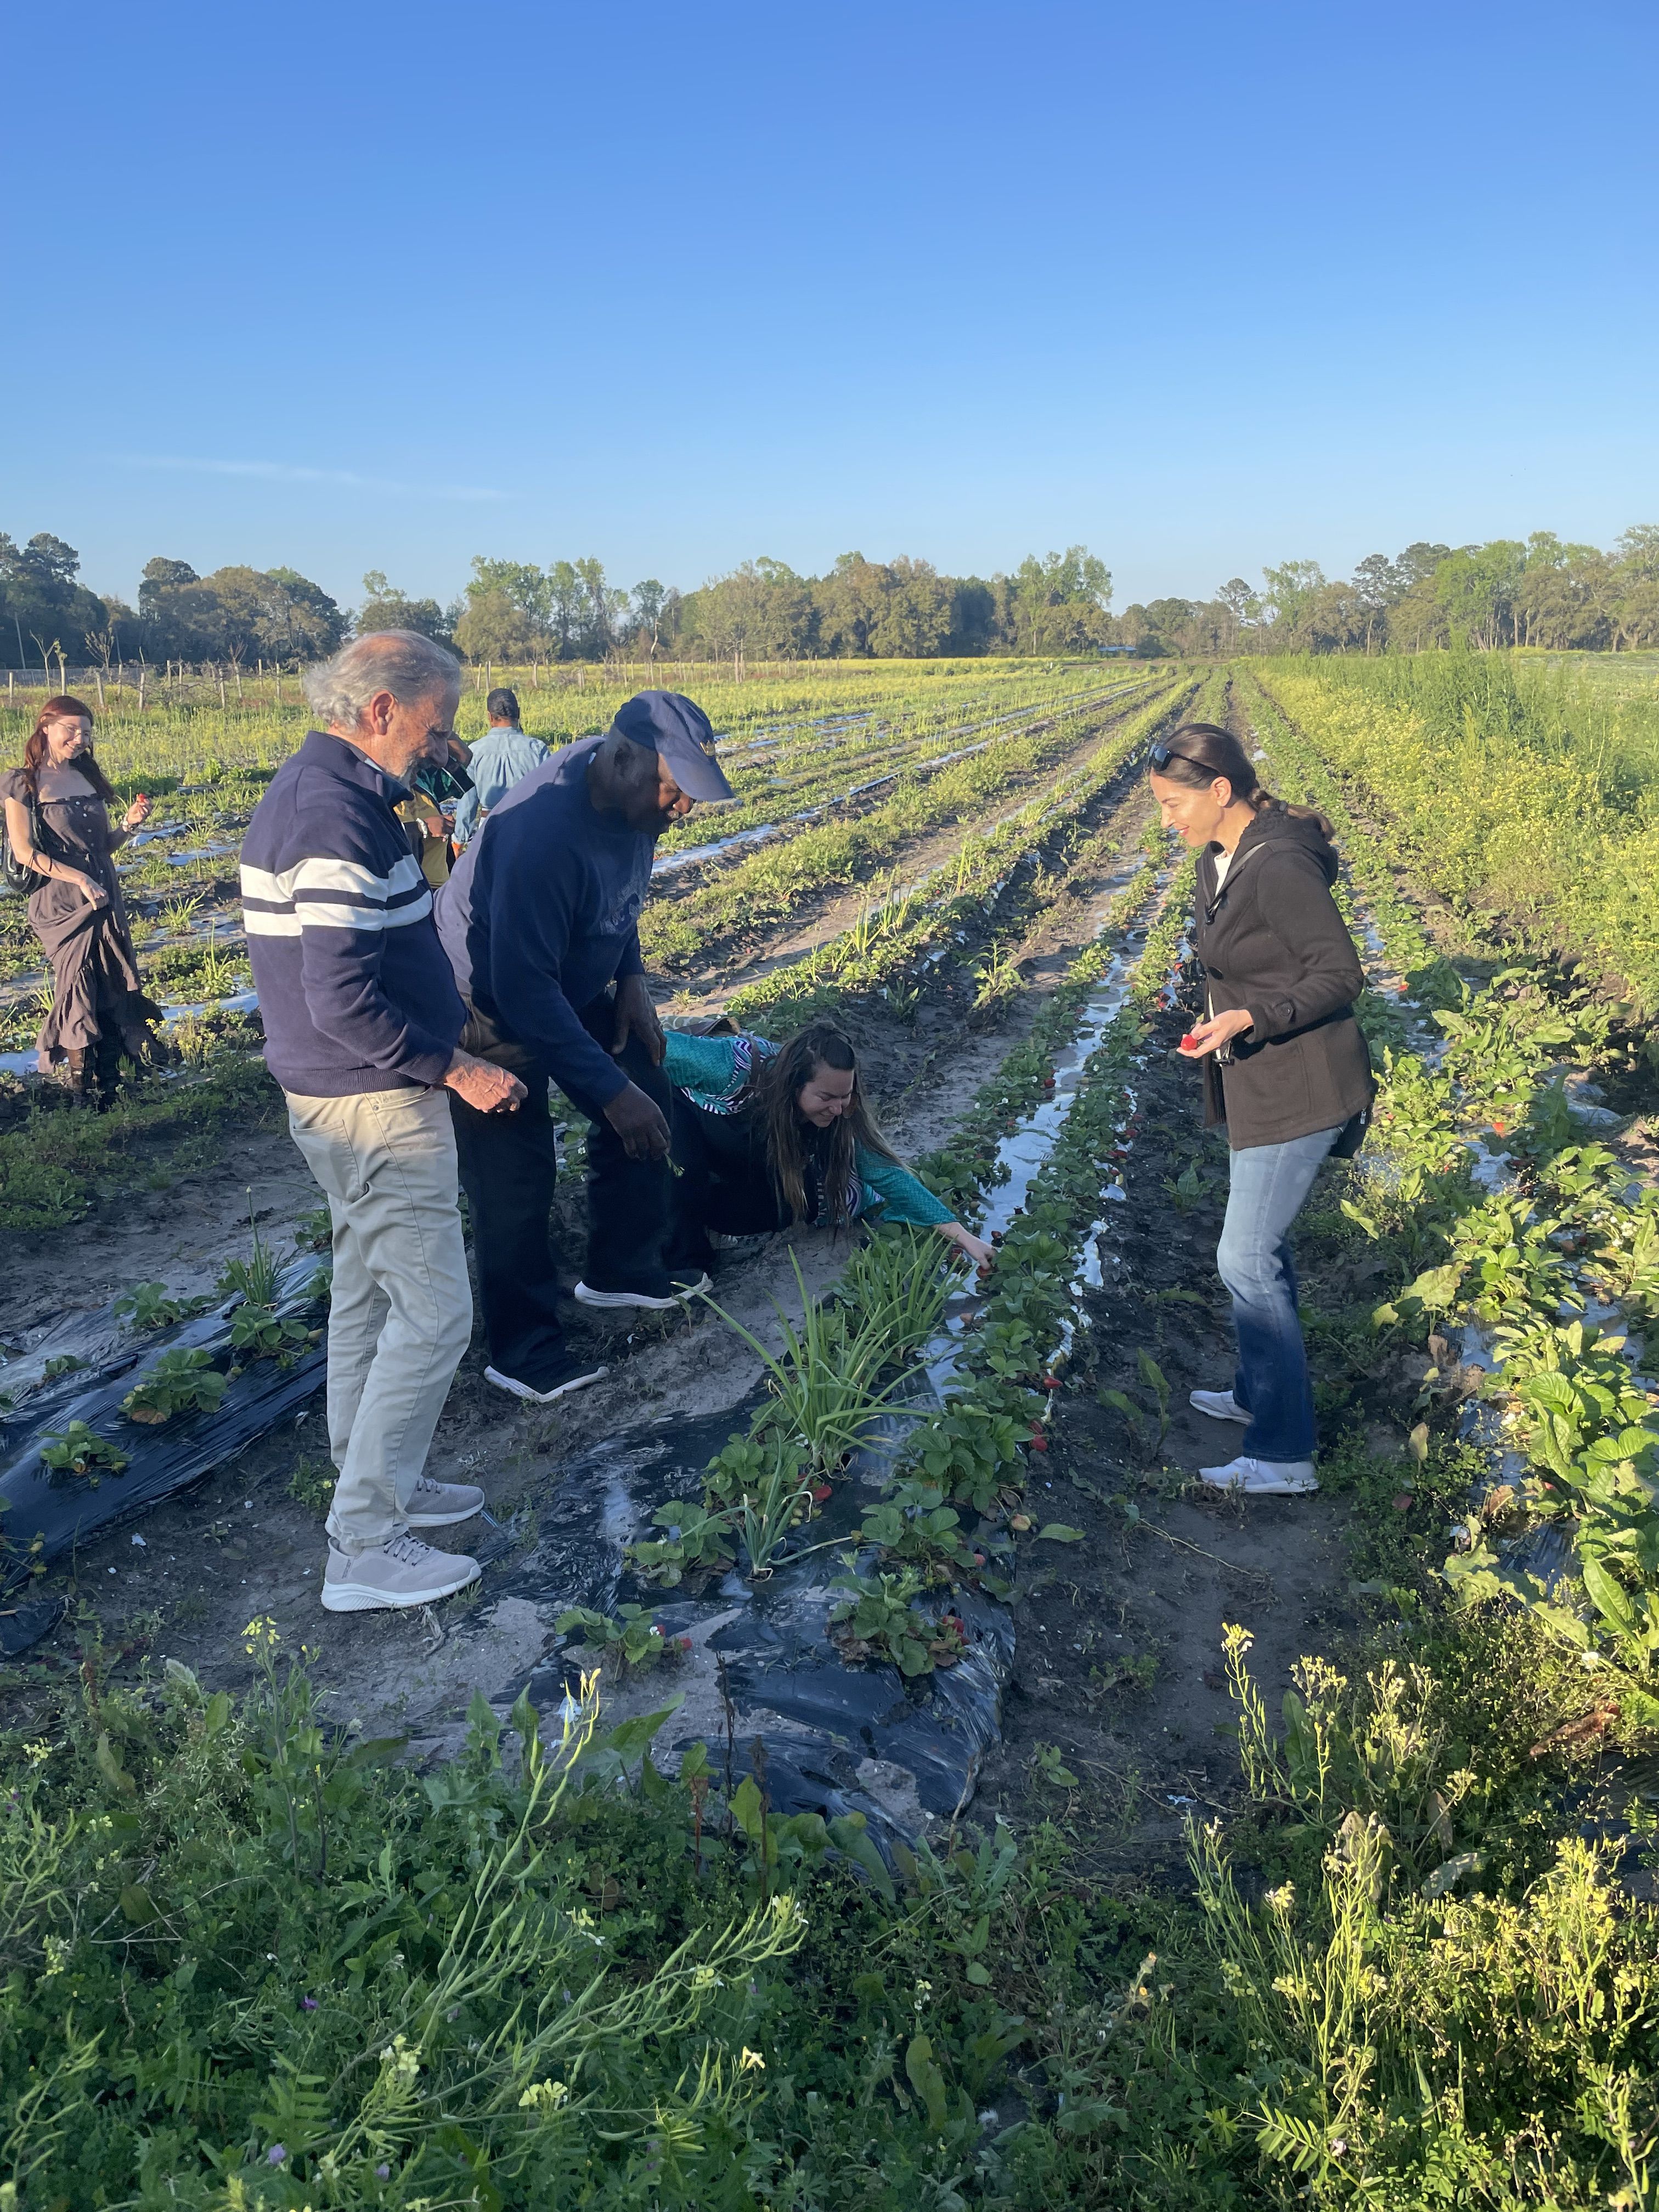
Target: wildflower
x,y
383,2172
924,1990
751,2062
307,2004
276,2155
35,1752
399,2056
1282,1900
544,2096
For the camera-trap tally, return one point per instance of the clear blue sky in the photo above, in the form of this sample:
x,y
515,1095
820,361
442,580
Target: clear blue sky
x,y
374,286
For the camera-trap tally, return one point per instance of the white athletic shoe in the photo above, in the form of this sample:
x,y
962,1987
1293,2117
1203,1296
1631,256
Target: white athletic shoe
x,y
576,1375
1219,1405
1262,1478
679,1293
441,1505
402,1571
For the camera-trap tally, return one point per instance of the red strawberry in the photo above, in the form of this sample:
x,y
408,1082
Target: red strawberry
x,y
1189,1042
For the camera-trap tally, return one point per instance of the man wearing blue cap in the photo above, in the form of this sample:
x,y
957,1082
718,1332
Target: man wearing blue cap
x,y
540,921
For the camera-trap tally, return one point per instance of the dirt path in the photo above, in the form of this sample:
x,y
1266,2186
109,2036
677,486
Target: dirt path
x,y
1118,1662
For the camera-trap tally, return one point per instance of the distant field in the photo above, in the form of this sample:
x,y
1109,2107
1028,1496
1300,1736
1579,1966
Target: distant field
x,y
1521,784
185,726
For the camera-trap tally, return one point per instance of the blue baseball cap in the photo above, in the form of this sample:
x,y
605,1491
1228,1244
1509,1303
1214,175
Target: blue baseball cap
x,y
677,728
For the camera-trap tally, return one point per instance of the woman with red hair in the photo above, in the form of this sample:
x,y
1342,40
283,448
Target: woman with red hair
x,y
60,829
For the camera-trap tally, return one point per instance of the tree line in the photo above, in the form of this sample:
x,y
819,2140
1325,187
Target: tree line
x,y
1546,592
904,608
513,612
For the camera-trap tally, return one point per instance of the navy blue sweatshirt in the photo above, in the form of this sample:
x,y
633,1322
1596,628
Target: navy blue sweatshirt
x,y
542,912
354,988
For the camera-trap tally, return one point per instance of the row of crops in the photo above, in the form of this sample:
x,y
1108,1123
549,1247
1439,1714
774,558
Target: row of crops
x,y
797,770
1530,792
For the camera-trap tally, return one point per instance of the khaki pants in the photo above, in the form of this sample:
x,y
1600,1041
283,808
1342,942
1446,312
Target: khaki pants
x,y
401,1315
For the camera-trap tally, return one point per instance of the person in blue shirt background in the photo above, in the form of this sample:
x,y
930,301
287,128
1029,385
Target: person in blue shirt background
x,y
500,759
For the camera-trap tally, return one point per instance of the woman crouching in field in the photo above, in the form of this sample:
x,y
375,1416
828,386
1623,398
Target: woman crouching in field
x,y
767,1134
58,827
1286,1068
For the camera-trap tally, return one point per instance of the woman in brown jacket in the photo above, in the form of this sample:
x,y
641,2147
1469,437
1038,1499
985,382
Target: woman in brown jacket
x,y
1285,1070
59,825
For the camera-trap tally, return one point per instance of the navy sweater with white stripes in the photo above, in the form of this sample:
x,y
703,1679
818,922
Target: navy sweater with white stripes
x,y
354,988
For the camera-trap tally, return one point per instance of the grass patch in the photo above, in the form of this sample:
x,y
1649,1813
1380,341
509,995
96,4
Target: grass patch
x,y
61,1161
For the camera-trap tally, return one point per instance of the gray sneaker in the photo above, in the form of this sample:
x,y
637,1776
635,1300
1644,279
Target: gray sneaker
x,y
442,1504
402,1571
1219,1405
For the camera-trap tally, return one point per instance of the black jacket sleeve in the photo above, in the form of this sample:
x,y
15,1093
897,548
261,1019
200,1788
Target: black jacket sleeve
x,y
1295,900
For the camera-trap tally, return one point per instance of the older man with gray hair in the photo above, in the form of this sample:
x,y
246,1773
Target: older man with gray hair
x,y
361,1019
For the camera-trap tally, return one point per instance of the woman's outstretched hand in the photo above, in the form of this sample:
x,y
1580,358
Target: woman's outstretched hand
x,y
981,1253
138,813
1210,1037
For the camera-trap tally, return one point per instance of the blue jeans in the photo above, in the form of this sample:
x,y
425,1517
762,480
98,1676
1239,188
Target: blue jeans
x,y
1269,1186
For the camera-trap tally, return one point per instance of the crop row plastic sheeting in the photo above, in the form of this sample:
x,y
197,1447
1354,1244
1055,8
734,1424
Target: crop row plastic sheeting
x,y
46,1514
837,1738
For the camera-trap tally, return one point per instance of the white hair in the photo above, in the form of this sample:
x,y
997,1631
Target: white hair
x,y
399,661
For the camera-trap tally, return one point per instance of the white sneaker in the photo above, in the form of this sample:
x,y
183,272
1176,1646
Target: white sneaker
x,y
678,1292
1263,1478
441,1505
1219,1405
402,1571
575,1375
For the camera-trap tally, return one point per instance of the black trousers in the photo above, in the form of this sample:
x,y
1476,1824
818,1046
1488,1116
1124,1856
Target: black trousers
x,y
509,1167
724,1184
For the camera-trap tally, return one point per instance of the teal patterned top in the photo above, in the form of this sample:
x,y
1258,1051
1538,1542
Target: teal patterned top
x,y
712,1071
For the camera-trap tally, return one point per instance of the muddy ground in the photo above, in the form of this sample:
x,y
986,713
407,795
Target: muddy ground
x,y
1120,1679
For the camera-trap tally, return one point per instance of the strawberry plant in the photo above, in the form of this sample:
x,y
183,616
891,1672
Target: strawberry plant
x,y
180,1382
630,1639
877,1619
78,1449
696,1545
151,1305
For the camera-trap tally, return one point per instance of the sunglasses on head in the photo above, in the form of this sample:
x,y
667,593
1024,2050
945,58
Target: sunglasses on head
x,y
1161,755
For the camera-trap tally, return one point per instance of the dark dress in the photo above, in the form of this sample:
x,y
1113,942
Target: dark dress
x,y
98,1004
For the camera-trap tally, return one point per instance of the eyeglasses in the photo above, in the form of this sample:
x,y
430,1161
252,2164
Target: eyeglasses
x,y
1160,756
